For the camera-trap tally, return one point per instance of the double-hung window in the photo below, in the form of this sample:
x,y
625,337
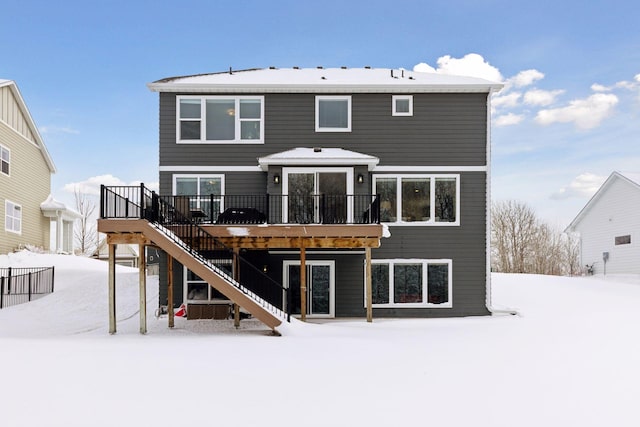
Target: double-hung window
x,y
220,119
12,217
333,113
418,199
5,160
411,283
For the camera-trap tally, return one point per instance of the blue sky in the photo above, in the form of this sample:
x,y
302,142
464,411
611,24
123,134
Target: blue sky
x,y
568,117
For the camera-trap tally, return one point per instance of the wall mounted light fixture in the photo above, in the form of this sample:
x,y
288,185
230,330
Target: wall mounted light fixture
x,y
360,178
276,179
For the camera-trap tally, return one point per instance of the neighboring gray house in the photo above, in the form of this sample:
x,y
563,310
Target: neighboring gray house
x,y
609,226
305,174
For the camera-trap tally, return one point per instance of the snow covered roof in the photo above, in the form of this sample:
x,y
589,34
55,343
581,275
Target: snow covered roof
x,y
318,157
323,80
27,115
631,177
51,208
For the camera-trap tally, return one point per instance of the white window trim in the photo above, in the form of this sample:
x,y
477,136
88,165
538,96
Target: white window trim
x,y
209,300
425,288
285,186
2,147
340,98
432,182
203,127
6,215
198,177
394,112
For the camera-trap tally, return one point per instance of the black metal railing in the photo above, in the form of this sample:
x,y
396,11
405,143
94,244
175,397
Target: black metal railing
x,y
325,209
20,285
184,230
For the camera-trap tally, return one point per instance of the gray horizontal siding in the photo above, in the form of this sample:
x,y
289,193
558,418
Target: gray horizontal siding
x,y
445,130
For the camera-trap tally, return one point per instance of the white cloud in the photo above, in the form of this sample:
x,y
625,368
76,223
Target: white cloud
x,y
584,113
424,68
599,88
472,65
584,185
541,97
57,129
509,100
525,78
637,78
508,119
91,185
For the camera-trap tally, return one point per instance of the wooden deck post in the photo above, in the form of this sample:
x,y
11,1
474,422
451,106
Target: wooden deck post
x,y
170,291
368,285
112,289
303,284
236,277
142,269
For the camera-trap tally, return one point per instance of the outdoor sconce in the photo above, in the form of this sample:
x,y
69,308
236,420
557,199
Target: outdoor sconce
x,y
264,268
360,178
276,179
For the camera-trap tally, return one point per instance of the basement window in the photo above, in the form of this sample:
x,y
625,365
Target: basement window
x,y
623,240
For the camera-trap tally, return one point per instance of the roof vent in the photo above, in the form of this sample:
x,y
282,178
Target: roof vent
x,y
272,67
367,67
320,67
230,71
323,78
296,68
317,149
343,67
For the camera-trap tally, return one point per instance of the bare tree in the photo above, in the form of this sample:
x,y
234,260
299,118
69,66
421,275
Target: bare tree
x,y
85,231
521,243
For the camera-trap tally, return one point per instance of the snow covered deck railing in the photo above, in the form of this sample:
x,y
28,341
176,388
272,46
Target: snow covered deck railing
x,y
139,202
20,285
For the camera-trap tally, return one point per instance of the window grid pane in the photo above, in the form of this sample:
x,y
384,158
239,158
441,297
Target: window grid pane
x,y
387,189
438,279
416,199
402,105
220,120
407,283
380,283
445,200
333,113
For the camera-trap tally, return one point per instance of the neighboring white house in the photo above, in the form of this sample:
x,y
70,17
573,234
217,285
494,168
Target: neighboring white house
x,y
609,226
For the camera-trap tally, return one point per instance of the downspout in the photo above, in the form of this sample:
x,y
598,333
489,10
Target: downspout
x,y
488,297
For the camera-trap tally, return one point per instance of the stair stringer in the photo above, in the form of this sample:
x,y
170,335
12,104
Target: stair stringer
x,y
206,273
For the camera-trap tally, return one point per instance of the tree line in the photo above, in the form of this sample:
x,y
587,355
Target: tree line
x,y
522,243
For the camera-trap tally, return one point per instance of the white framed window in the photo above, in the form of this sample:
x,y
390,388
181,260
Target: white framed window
x,y
333,113
197,291
5,160
220,119
12,217
402,105
418,199
411,283
200,192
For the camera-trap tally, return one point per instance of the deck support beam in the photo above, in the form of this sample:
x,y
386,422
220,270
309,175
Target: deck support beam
x,y
303,284
368,285
236,277
170,314
112,289
142,269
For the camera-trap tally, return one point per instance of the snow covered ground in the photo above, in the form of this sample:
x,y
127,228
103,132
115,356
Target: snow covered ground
x,y
571,358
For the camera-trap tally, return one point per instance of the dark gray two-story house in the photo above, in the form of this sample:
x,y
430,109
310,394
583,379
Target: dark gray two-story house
x,y
359,191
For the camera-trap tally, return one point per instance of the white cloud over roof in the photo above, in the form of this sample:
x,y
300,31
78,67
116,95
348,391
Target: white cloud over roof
x,y
92,184
584,185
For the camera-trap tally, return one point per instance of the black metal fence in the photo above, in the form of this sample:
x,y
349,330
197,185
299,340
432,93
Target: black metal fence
x,y
20,285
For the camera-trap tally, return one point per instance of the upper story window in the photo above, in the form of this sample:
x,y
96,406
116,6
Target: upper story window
x,y
220,119
5,160
333,114
12,217
418,199
402,105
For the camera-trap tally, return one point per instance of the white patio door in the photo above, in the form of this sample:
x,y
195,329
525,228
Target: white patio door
x,y
317,195
320,278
